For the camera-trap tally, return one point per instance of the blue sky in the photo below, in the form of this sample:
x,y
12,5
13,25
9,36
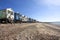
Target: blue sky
x,y
42,10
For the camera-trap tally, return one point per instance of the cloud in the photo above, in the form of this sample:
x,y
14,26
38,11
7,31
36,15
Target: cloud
x,y
52,2
52,12
55,4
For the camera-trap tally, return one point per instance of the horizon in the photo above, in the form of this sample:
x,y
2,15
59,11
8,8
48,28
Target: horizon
x,y
41,10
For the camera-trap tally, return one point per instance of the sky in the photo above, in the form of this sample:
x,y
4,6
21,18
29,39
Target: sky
x,y
41,10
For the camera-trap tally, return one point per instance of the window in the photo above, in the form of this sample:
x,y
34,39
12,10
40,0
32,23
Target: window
x,y
10,12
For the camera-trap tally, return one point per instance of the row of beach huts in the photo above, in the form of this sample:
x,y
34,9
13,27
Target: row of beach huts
x,y
9,16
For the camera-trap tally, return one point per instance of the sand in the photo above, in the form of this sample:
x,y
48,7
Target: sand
x,y
29,31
